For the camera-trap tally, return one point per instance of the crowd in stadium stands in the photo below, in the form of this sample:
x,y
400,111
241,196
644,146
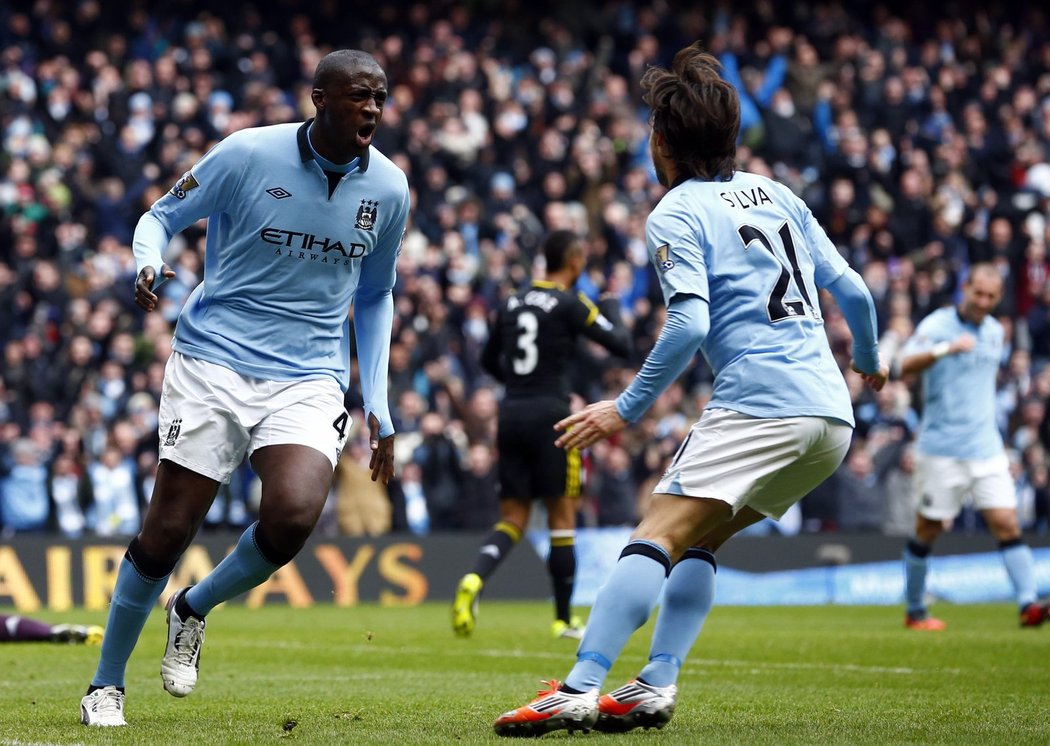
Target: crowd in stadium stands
x,y
920,136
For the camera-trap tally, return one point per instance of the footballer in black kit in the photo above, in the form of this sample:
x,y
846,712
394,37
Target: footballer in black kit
x,y
530,349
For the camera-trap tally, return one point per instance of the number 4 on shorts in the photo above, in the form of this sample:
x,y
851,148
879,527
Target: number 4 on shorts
x,y
340,424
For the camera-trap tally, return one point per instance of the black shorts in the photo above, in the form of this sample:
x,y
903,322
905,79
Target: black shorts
x,y
530,465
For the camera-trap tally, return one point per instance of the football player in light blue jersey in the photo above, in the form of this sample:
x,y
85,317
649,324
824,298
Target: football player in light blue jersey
x,y
304,221
959,453
740,260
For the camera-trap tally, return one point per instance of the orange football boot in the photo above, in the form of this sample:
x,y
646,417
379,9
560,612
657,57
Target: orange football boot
x,y
552,710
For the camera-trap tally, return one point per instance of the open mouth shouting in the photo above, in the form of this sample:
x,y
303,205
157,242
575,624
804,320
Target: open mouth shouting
x,y
365,134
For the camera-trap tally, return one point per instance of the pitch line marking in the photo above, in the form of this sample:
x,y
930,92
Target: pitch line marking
x,y
549,655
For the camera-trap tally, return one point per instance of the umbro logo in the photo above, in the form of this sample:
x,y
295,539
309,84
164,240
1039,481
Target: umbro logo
x,y
278,192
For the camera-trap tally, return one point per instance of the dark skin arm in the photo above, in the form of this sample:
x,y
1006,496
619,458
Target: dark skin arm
x,y
616,340
145,298
382,461
490,354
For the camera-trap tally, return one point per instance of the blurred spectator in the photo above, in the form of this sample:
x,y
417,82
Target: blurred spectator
x,y
478,504
417,517
899,517
70,493
1024,490
861,503
24,502
231,510
1038,478
919,135
889,417
115,506
441,474
362,507
615,489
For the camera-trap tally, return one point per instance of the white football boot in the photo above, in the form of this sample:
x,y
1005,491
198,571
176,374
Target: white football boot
x,y
182,656
103,707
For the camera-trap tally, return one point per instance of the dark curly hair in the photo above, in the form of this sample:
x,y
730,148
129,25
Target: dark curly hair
x,y
696,112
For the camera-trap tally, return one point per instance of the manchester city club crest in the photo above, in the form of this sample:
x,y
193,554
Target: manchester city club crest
x,y
174,430
367,214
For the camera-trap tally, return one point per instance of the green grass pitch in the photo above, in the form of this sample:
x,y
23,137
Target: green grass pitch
x,y
371,675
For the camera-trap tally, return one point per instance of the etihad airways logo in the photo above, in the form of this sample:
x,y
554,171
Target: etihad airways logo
x,y
311,242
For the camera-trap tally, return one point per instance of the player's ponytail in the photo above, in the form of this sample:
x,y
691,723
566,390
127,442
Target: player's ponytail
x,y
696,112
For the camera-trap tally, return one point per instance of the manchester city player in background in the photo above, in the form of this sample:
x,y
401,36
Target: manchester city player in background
x,y
303,221
740,259
959,454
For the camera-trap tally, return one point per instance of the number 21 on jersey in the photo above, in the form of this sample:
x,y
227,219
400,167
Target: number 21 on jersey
x,y
778,306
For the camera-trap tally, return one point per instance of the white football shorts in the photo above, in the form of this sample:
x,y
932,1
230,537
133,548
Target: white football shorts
x,y
767,464
212,417
942,484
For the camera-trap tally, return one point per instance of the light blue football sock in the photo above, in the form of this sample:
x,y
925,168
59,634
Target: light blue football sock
x,y
623,605
134,596
916,562
242,569
1017,558
688,595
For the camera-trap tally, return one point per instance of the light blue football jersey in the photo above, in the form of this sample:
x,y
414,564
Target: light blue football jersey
x,y
958,391
754,251
284,260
